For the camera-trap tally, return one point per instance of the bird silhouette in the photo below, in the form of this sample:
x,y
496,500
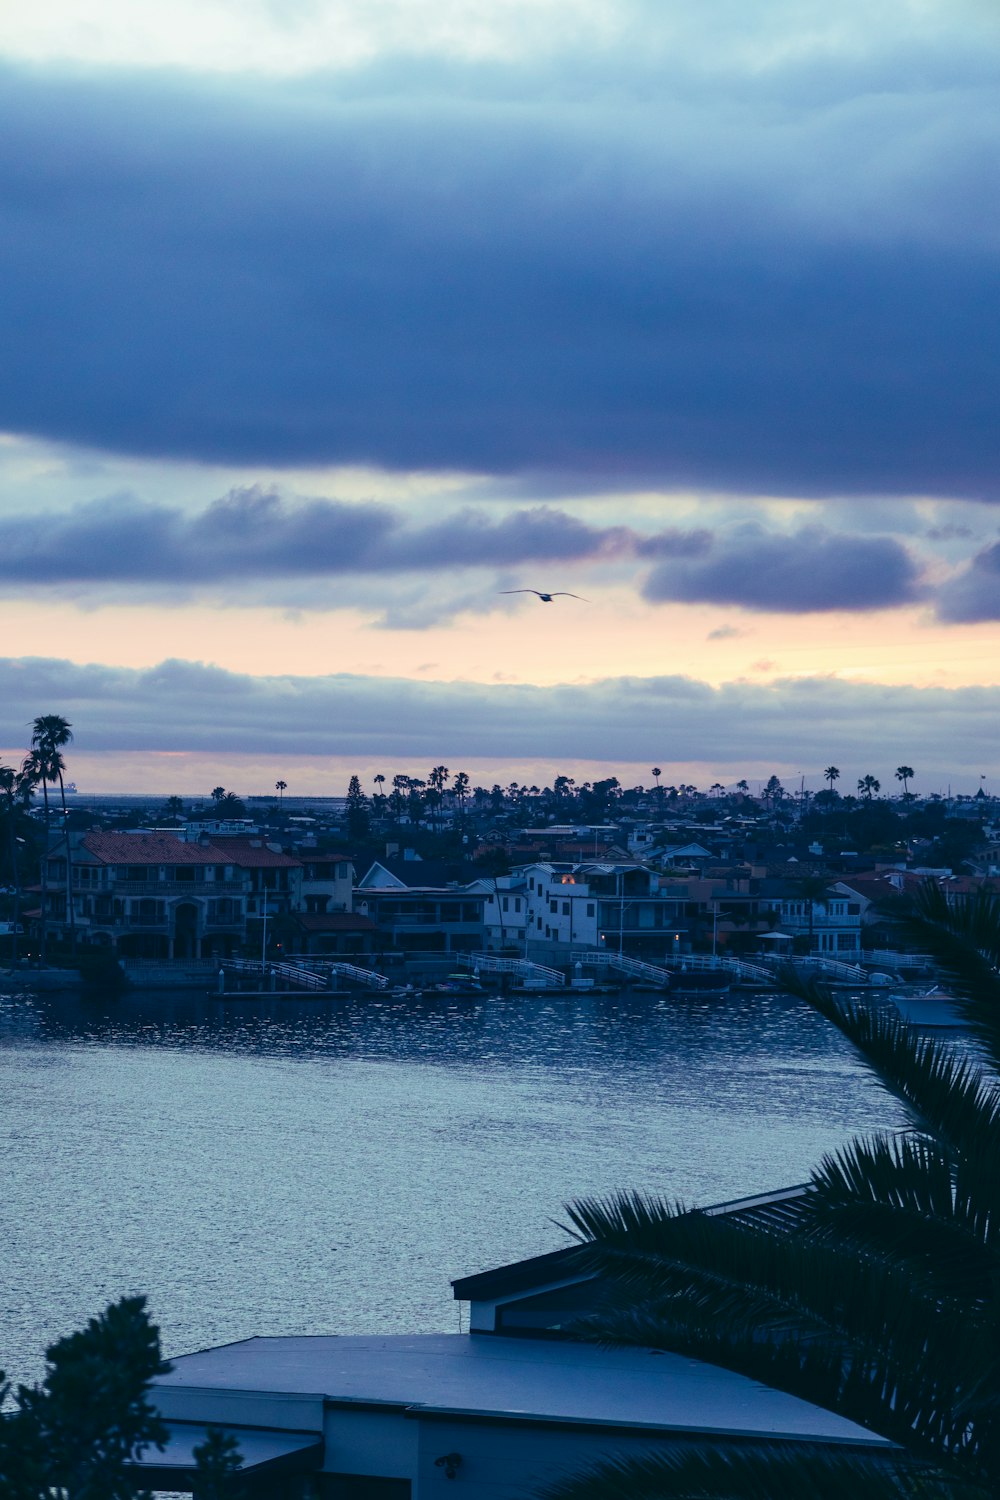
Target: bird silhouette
x,y
547,598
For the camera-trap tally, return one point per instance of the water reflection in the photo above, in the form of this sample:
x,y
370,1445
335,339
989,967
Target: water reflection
x,y
293,1165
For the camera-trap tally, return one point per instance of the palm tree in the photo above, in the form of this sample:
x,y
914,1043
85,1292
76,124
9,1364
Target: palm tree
x,y
656,773
830,775
878,1300
50,734
905,775
16,792
280,787
37,769
868,786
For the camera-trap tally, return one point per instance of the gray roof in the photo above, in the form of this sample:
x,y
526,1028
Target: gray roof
x,y
524,1380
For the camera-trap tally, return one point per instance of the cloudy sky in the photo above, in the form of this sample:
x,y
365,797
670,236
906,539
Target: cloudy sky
x,y
326,322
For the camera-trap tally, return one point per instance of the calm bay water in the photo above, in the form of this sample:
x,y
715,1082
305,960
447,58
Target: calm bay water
x,y
289,1166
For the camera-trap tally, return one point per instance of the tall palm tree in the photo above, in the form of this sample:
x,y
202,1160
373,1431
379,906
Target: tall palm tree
x,y
830,775
280,787
905,775
868,786
879,1301
37,770
50,734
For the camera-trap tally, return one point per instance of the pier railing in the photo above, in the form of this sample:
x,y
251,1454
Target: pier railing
x,y
636,968
314,977
699,962
536,975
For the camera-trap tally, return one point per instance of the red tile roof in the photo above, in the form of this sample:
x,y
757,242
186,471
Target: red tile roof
x,y
251,854
147,849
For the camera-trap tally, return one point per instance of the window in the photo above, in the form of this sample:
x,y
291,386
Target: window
x,y
590,908
517,903
553,907
565,910
505,903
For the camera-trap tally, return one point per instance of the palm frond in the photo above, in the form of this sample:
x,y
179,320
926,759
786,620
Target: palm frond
x,y
905,1200
770,1472
962,935
945,1093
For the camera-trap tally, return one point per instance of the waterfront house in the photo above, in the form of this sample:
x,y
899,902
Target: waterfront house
x,y
594,905
147,895
418,917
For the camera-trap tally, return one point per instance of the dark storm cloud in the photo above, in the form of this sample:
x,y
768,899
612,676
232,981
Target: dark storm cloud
x,y
184,706
810,569
251,534
787,286
974,593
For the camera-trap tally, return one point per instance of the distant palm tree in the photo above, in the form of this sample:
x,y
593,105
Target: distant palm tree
x,y
743,786
218,792
868,786
50,734
830,775
656,773
400,786
280,787
905,775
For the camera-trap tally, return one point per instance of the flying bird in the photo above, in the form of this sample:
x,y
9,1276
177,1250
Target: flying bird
x,y
547,598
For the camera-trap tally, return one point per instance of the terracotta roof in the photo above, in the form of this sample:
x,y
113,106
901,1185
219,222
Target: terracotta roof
x,y
147,849
251,853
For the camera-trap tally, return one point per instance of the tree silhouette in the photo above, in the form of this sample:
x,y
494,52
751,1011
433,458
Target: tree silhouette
x,y
830,775
868,786
50,734
15,790
905,775
280,787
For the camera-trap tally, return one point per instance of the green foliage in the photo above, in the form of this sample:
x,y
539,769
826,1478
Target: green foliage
x,y
218,1461
800,1472
75,1434
879,1300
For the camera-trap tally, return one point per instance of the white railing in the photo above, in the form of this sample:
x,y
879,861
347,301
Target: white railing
x,y
313,978
534,974
849,973
602,959
889,958
708,961
326,966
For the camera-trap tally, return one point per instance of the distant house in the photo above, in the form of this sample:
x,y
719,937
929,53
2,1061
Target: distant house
x,y
421,917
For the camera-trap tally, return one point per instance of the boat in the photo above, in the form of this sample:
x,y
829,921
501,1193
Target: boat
x,y
932,1009
704,983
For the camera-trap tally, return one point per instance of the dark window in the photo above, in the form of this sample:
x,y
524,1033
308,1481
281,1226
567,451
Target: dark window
x,y
565,910
184,873
590,908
